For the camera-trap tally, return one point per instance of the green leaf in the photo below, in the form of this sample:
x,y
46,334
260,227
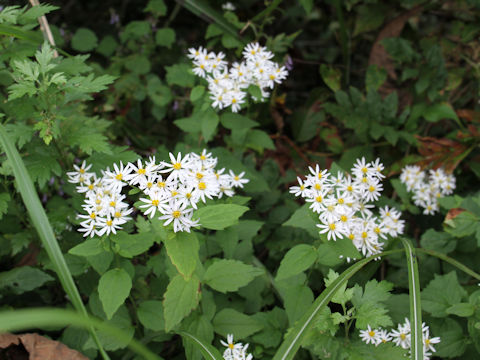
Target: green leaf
x,y
230,275
297,259
42,225
372,314
129,245
369,18
87,248
259,140
375,78
453,342
113,288
439,241
464,224
303,218
374,292
181,298
230,321
180,74
182,249
461,309
150,314
157,7
436,300
209,123
107,46
343,294
219,217
165,37
293,339
237,122
438,112
4,200
307,5
84,40
207,350
135,30
331,76
22,279
41,164
197,93
296,298
255,92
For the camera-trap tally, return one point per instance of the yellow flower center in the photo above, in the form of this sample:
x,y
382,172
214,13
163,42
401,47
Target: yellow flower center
x,y
203,157
351,236
141,171
119,176
93,216
176,214
199,176
343,218
202,186
349,188
402,336
90,187
231,346
112,203
188,195
364,170
341,201
371,333
377,230
332,226
155,202
371,188
364,235
272,77
318,187
236,178
117,214
81,171
149,185
109,222
177,166
174,193
234,101
161,184
319,199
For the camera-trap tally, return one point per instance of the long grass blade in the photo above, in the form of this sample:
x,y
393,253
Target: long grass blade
x,y
451,261
42,225
207,350
415,306
203,10
291,344
19,320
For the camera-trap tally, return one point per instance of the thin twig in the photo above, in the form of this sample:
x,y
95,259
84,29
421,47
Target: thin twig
x,y
45,28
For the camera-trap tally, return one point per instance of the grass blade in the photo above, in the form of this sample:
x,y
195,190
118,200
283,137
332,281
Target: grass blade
x,y
291,344
42,225
207,350
451,261
20,320
415,306
204,11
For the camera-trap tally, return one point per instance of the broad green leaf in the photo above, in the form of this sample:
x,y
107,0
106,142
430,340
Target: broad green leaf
x,y
461,309
180,74
304,218
234,121
296,299
22,279
453,342
464,224
87,248
438,112
230,321
45,232
197,93
27,319
439,241
84,40
207,350
259,140
307,5
129,245
181,298
375,78
113,288
157,7
297,259
230,275
165,37
182,249
435,300
150,314
331,76
369,18
218,217
209,123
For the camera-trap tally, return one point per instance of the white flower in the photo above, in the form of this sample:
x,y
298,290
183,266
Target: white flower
x,y
370,336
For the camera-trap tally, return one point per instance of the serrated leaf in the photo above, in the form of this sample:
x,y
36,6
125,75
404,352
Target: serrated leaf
x,y
435,300
4,200
113,288
181,298
461,309
22,279
343,294
374,292
331,76
372,314
230,321
182,249
230,275
296,260
130,245
218,217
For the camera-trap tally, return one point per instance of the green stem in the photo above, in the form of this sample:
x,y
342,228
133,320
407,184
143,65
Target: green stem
x,y
451,261
344,43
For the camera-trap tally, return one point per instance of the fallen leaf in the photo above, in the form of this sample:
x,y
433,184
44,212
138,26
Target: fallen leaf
x,y
453,213
439,152
40,348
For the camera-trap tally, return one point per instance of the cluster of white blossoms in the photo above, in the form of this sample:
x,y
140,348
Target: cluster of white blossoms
x,y
172,188
227,85
235,351
400,337
343,203
427,192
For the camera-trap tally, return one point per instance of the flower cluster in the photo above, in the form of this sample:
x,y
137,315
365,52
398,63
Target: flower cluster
x,y
235,351
426,193
172,188
227,85
400,337
343,205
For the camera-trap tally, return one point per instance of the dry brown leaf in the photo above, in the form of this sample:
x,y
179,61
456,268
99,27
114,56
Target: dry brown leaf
x,y
40,348
453,213
440,152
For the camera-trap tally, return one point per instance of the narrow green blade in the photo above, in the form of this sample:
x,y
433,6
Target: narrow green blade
x,y
291,344
42,225
415,306
207,350
19,320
